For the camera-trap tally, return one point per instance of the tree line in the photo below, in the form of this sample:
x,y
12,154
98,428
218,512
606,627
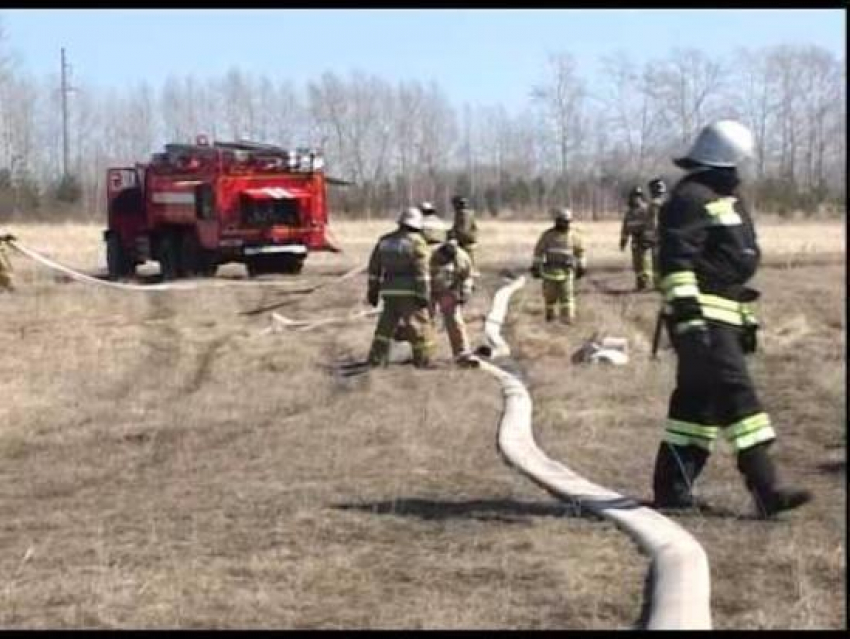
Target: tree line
x,y
584,138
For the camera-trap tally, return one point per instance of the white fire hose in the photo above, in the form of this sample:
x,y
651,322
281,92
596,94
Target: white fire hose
x,y
679,570
170,286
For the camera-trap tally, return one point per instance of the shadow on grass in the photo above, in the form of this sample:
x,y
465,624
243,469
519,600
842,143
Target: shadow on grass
x,y
838,467
501,510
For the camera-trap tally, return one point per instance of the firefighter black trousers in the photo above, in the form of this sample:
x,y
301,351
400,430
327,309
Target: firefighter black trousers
x,y
713,386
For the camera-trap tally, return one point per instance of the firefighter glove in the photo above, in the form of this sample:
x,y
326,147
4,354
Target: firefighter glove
x,y
749,338
535,271
580,271
8,238
623,242
373,297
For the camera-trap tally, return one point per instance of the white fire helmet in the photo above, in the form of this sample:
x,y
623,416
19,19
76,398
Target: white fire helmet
x,y
411,217
722,144
427,208
562,214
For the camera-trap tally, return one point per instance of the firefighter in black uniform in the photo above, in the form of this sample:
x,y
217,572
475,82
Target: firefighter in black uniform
x,y
708,251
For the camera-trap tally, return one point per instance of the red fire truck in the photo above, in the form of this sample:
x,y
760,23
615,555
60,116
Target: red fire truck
x,y
197,206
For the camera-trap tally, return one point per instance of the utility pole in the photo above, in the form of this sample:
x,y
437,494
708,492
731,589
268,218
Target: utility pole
x,y
470,164
65,89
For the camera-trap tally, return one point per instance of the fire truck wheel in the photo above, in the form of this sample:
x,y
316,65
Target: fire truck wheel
x,y
191,255
118,263
169,256
254,267
291,264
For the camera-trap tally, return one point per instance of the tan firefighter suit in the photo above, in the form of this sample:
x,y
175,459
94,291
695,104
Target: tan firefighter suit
x,y
398,273
654,206
559,260
639,227
451,288
5,265
465,231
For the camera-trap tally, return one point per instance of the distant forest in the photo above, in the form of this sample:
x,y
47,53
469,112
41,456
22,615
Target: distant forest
x,y
403,142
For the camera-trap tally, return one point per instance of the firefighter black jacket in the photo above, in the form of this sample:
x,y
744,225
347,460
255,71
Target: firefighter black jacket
x,y
707,243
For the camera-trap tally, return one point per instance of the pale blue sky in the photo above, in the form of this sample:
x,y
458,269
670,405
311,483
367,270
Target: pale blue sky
x,y
476,55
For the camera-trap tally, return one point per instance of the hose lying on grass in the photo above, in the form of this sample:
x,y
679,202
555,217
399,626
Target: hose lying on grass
x,y
309,324
170,286
679,572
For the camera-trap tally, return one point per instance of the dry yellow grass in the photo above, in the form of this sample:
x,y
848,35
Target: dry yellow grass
x,y
165,464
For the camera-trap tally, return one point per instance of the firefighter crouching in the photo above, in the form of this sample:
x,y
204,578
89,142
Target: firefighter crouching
x,y
559,260
399,275
708,251
465,229
639,228
5,264
451,288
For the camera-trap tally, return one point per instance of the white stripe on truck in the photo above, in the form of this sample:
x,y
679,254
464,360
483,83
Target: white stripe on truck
x,y
173,197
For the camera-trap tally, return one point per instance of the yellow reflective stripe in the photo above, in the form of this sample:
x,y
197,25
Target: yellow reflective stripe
x,y
722,309
678,278
723,212
719,302
750,431
721,315
760,436
683,327
683,290
690,428
688,440
554,277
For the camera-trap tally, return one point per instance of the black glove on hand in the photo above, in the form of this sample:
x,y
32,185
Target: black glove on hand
x,y
580,271
535,272
749,338
373,297
8,238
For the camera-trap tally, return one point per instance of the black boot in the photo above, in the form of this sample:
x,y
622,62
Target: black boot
x,y
760,477
676,470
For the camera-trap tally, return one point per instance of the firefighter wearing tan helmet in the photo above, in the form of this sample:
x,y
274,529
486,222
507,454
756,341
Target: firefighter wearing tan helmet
x,y
399,275
5,264
708,251
559,260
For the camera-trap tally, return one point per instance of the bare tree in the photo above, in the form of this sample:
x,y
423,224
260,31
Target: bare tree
x,y
562,98
686,88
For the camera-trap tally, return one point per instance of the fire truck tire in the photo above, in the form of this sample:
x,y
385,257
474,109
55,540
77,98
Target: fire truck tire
x,y
291,264
169,256
191,254
254,267
118,262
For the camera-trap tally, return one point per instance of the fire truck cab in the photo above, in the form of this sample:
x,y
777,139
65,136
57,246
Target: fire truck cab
x,y
196,206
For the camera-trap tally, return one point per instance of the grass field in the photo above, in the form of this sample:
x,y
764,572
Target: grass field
x,y
166,462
